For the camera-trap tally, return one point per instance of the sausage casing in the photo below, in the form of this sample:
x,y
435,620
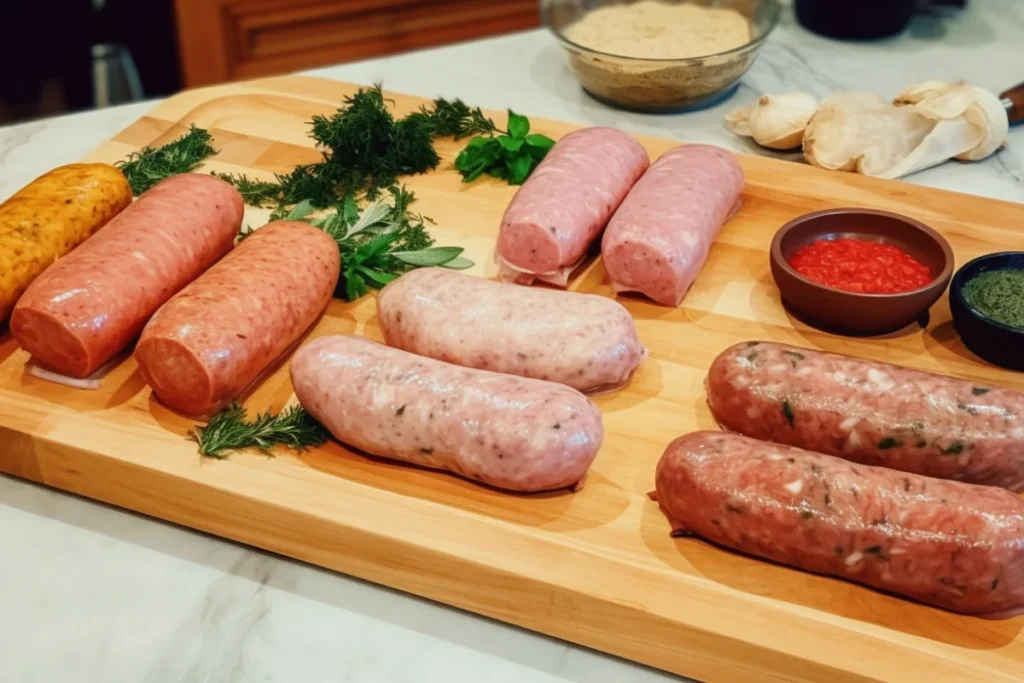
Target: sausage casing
x,y
659,238
565,203
870,412
89,305
49,217
510,432
949,544
206,345
585,341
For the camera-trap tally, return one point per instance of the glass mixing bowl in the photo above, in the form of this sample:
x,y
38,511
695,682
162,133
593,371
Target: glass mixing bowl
x,y
660,85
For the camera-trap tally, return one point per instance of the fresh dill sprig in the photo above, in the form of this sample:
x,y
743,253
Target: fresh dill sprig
x,y
229,430
364,149
147,167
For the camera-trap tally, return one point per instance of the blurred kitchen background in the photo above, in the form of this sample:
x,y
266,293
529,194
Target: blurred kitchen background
x,y
67,55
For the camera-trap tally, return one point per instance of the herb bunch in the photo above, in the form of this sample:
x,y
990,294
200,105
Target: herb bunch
x,y
230,430
511,156
378,243
146,168
365,149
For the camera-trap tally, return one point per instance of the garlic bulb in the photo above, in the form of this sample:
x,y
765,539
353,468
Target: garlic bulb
x,y
860,131
774,121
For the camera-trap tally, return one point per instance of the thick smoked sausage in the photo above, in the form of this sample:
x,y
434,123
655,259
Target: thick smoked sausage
x,y
89,305
953,545
870,412
206,345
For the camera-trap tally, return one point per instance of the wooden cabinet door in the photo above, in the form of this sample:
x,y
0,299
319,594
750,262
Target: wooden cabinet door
x,y
225,40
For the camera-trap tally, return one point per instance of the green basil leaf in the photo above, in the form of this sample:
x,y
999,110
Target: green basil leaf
x,y
538,141
511,144
519,169
499,171
490,152
468,158
518,126
459,263
474,174
477,142
432,256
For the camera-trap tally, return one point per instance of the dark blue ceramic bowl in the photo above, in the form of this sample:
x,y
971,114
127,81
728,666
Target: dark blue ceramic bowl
x,y
987,338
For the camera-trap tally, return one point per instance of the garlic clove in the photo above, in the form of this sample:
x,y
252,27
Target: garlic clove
x,y
738,120
774,121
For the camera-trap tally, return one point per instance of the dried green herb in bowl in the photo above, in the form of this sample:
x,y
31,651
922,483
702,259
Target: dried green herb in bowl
x,y
999,295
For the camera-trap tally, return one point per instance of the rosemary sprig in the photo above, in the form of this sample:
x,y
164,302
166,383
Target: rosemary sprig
x,y
149,166
229,430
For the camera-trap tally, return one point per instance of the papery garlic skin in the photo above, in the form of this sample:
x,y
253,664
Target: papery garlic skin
x,y
776,121
981,110
860,131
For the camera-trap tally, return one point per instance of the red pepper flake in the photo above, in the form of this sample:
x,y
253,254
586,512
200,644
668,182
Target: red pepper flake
x,y
860,266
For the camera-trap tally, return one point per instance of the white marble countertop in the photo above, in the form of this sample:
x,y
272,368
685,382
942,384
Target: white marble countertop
x,y
92,593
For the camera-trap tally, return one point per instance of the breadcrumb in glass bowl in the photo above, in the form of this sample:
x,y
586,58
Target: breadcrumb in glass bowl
x,y
656,56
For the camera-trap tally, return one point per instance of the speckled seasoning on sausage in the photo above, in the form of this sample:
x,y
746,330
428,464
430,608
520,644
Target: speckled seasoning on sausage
x,y
214,338
509,432
49,217
945,543
659,238
870,412
585,341
559,211
89,305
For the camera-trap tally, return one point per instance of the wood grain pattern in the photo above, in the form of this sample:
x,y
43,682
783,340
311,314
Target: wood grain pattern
x,y
597,568
223,40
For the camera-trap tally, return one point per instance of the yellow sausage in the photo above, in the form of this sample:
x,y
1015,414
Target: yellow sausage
x,y
51,216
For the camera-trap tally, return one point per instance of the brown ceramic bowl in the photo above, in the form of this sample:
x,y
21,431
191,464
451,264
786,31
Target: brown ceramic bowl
x,y
848,312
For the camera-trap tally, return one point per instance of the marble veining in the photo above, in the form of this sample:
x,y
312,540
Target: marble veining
x,y
92,593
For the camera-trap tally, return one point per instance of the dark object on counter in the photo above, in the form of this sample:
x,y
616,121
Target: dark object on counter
x,y
987,338
862,19
848,312
1013,100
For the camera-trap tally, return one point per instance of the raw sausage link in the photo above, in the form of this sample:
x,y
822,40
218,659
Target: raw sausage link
x,y
566,202
872,413
213,339
585,341
658,240
49,217
510,432
945,543
89,305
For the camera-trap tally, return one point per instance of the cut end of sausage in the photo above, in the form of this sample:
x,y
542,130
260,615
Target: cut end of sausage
x,y
532,247
179,379
52,344
637,267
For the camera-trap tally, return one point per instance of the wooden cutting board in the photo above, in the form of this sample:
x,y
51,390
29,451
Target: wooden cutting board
x,y
598,567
